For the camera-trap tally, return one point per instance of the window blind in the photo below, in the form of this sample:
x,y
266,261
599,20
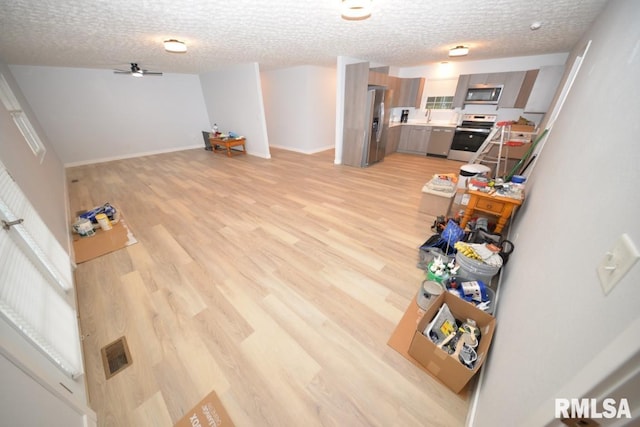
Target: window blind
x,y
35,274
33,232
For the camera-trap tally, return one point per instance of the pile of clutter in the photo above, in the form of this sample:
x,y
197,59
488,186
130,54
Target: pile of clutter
x,y
441,183
458,339
513,188
464,262
101,217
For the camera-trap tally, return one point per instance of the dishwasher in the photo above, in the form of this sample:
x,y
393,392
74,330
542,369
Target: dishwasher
x,y
440,141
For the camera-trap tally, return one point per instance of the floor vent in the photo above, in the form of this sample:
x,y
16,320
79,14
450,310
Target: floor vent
x,y
116,357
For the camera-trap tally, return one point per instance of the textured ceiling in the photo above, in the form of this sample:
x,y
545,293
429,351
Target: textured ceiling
x,y
281,33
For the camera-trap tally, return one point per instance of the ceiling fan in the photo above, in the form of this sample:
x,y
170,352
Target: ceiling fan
x,y
137,71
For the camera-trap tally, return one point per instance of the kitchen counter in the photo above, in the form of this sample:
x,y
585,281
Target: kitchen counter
x,y
424,123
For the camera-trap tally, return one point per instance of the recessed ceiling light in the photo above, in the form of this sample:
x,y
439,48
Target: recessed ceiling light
x,y
175,46
356,10
459,51
534,26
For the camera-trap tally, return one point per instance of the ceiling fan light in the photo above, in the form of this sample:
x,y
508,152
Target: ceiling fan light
x,y
356,10
175,46
459,51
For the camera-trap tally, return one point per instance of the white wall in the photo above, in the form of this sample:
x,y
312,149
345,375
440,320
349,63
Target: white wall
x,y
96,115
553,318
43,183
234,102
300,108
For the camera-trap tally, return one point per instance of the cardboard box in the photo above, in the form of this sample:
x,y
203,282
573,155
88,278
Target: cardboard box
x,y
516,152
208,412
103,242
438,362
522,128
436,203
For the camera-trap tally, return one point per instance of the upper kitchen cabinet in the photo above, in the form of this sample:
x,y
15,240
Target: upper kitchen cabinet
x,y
530,90
512,84
377,78
461,90
525,88
393,91
544,89
409,92
487,78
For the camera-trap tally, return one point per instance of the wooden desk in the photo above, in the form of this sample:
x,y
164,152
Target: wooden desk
x,y
499,206
227,143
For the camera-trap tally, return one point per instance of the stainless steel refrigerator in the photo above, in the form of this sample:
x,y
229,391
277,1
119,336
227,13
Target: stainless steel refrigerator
x,y
374,138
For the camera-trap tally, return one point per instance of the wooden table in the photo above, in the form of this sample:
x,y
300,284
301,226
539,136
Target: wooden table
x,y
227,143
499,206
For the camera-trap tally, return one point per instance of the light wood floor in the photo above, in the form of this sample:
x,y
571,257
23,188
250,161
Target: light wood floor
x,y
276,283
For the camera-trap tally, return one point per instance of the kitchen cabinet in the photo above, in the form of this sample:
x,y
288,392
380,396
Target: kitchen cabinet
x,y
512,82
377,78
393,91
496,78
487,78
355,99
440,141
410,92
544,89
515,91
525,89
414,139
393,139
461,90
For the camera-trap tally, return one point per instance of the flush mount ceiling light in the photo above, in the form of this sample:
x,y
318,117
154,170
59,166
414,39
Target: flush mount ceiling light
x,y
459,51
356,10
535,26
175,46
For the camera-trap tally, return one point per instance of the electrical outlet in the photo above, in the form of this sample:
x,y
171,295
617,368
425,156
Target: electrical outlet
x,y
617,262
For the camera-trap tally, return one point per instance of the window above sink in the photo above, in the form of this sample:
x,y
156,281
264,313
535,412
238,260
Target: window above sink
x,y
439,103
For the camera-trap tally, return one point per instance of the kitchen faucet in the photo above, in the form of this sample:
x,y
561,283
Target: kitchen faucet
x,y
427,114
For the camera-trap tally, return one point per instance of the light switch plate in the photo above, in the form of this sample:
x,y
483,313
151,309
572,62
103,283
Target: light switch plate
x,y
617,262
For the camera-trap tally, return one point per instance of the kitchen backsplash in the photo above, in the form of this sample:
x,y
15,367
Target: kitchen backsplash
x,y
419,115
454,116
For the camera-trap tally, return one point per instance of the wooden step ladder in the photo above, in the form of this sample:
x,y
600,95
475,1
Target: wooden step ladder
x,y
496,137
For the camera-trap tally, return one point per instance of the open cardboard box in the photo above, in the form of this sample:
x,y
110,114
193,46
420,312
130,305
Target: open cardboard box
x,y
522,128
436,203
438,362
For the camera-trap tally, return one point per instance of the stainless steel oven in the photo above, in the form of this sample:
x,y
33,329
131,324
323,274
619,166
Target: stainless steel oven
x,y
470,135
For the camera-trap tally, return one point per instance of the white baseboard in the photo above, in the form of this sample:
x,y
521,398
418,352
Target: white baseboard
x,y
130,156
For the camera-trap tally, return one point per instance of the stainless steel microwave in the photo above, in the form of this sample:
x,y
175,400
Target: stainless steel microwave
x,y
483,94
